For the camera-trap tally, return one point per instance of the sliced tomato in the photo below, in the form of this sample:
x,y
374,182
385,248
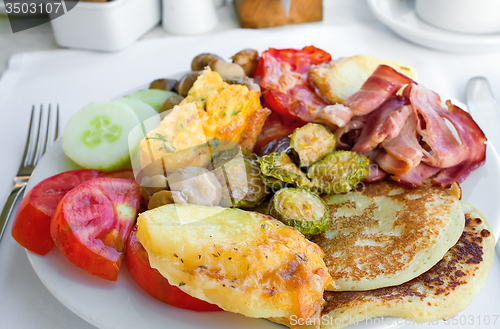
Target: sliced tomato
x,y
122,173
152,282
31,226
276,126
283,80
92,222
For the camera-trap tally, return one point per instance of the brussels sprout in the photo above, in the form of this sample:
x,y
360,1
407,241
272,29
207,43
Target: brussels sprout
x,y
300,209
274,183
276,146
241,174
162,198
339,172
281,167
312,143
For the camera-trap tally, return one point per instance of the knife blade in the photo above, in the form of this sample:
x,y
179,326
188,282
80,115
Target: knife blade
x,y
484,109
486,112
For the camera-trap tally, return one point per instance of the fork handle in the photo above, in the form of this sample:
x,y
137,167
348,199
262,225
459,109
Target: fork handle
x,y
9,206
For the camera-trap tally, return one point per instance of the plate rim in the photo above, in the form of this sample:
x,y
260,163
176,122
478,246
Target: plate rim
x,y
436,35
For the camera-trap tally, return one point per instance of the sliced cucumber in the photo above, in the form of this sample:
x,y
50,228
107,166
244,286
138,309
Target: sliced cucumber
x,y
97,136
143,110
154,97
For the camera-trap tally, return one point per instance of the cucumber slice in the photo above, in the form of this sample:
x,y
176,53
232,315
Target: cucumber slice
x,y
97,136
143,110
154,97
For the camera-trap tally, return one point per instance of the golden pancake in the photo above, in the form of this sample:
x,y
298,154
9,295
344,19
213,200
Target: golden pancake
x,y
440,293
387,234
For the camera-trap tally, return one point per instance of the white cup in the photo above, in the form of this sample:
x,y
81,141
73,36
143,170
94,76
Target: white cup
x,y
186,17
466,16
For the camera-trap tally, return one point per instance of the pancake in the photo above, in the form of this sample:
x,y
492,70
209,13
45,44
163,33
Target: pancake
x,y
440,293
388,234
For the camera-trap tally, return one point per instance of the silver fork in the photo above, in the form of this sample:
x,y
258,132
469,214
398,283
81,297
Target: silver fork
x,y
42,133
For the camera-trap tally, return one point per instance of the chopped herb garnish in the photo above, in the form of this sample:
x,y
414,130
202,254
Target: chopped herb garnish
x,y
405,68
182,284
301,258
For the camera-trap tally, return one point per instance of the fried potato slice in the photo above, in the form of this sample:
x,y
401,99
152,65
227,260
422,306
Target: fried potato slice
x,y
245,262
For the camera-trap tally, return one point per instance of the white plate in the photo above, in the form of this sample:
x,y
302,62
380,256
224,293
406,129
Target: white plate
x,y
122,304
400,16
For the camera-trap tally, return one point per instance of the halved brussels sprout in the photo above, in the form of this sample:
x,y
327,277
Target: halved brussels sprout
x,y
281,167
300,209
241,173
312,143
162,198
274,183
276,146
339,172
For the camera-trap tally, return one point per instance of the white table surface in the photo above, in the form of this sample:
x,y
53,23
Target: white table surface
x,y
25,302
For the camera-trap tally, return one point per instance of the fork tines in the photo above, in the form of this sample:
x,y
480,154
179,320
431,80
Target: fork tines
x,y
46,130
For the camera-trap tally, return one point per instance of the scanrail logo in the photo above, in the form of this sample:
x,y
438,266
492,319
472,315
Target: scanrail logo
x,y
26,14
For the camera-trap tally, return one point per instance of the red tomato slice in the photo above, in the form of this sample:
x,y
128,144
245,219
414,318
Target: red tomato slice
x,y
122,173
31,226
152,282
92,222
283,79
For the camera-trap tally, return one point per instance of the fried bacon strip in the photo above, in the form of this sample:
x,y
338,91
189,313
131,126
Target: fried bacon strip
x,y
409,137
384,124
472,143
381,86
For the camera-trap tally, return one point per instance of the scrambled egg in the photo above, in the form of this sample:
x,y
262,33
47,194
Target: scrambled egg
x,y
339,79
213,111
244,262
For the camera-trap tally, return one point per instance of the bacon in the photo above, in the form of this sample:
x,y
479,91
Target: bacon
x,y
347,135
416,176
375,174
425,145
445,149
333,116
382,85
383,124
472,143
405,148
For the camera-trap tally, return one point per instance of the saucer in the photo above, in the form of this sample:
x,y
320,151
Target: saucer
x,y
400,16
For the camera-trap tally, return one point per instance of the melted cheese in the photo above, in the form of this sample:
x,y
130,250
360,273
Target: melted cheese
x,y
243,261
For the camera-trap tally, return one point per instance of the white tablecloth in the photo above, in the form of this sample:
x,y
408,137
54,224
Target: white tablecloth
x,y
75,78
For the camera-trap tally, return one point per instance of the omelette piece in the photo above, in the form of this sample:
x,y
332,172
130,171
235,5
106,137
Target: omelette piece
x,y
440,293
386,234
178,142
336,80
213,111
244,262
